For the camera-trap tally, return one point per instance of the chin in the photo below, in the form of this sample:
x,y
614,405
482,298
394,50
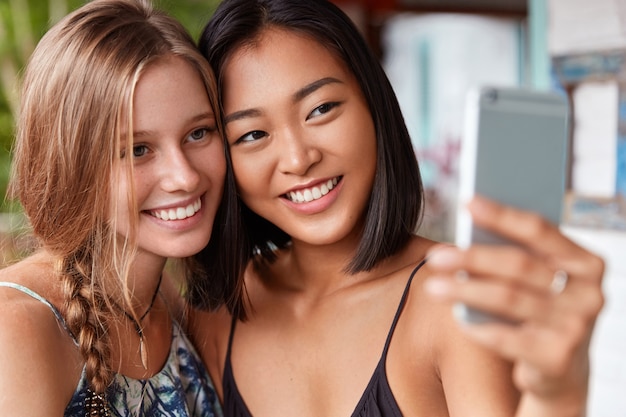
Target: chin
x,y
181,248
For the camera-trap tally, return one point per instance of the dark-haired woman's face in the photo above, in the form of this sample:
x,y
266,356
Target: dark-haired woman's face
x,y
301,137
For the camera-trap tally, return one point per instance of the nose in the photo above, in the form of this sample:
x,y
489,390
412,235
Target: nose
x,y
178,172
297,153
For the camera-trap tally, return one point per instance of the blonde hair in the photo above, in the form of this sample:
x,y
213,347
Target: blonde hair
x,y
77,91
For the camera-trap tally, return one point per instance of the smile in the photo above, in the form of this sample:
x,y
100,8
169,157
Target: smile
x,y
178,213
314,193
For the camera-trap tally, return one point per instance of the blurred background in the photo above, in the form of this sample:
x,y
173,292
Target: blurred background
x,y
434,51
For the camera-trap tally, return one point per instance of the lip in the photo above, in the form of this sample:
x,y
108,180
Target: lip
x,y
315,205
312,191
178,211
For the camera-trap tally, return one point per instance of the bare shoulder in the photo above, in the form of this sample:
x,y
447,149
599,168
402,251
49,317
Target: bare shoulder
x,y
433,317
209,329
427,324
39,364
412,258
424,326
471,376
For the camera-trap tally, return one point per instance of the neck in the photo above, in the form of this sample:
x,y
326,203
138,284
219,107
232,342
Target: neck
x,y
137,321
143,280
316,268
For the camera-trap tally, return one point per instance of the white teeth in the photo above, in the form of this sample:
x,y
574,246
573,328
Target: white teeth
x,y
178,213
308,195
313,193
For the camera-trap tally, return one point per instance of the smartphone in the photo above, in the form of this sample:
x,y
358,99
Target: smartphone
x,y
514,151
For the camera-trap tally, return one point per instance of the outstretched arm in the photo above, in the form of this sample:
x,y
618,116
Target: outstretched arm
x,y
549,286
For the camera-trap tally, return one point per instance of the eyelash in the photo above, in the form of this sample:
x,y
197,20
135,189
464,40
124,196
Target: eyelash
x,y
135,148
322,109
327,106
144,148
258,133
203,130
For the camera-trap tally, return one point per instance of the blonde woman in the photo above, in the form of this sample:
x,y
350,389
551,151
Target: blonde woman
x,y
119,165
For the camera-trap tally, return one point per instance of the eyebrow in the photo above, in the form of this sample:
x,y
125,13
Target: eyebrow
x,y
311,88
298,96
195,119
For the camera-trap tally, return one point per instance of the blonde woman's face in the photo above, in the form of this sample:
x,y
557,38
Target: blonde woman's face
x,y
178,160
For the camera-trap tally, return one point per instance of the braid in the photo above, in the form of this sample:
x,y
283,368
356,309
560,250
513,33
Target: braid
x,y
87,314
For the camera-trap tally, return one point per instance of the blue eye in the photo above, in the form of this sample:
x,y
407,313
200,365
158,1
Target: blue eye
x,y
139,151
200,134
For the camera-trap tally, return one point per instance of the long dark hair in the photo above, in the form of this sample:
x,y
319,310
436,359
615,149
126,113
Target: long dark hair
x,y
395,205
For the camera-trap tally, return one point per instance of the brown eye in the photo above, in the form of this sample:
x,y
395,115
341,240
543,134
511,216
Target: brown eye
x,y
323,109
252,136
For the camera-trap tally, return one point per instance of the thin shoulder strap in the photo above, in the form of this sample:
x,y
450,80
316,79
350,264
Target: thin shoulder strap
x,y
38,297
230,338
401,307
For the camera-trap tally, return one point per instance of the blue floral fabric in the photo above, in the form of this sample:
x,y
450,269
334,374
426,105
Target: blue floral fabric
x,y
182,388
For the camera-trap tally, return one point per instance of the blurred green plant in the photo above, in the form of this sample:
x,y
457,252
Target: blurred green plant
x,y
23,22
193,14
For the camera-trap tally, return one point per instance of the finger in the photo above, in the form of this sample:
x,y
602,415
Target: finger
x,y
545,348
569,379
540,237
526,228
506,301
508,263
557,330
582,302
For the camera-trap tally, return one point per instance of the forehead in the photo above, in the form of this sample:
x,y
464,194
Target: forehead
x,y
282,60
169,88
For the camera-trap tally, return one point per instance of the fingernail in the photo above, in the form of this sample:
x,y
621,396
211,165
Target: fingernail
x,y
437,286
480,206
443,256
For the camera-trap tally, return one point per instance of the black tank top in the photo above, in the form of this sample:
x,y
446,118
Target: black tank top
x,y
376,401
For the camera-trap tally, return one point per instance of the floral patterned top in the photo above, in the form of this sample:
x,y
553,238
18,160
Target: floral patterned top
x,y
182,388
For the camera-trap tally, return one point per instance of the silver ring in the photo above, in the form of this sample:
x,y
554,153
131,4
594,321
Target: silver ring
x,y
559,282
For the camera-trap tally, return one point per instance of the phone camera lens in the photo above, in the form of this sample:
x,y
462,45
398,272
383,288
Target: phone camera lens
x,y
491,95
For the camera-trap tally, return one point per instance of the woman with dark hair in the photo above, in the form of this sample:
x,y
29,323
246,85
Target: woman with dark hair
x,y
345,309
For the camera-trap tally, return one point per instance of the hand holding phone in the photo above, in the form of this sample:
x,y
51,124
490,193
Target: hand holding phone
x,y
514,152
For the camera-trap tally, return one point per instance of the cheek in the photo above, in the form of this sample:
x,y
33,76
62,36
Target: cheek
x,y
252,173
126,189
119,194
367,146
119,208
356,141
253,180
367,130
213,165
